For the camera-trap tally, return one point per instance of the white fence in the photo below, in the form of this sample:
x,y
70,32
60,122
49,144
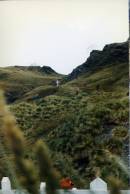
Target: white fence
x,y
98,186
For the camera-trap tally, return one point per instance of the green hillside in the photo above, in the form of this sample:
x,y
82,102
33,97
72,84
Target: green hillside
x,y
17,81
84,121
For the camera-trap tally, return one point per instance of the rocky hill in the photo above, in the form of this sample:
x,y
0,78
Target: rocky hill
x,y
111,54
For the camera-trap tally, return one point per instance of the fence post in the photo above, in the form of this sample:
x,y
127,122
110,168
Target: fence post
x,y
98,185
6,186
42,187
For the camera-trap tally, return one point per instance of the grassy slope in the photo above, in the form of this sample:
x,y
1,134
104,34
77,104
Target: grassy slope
x,y
111,78
94,105
16,82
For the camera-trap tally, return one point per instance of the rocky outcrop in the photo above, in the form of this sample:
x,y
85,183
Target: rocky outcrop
x,y
111,54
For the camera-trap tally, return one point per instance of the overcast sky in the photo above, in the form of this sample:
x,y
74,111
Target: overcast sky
x,y
59,33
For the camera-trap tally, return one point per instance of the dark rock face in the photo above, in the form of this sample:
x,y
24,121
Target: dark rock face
x,y
111,54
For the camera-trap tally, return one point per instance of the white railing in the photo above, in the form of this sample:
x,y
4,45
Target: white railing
x,y
98,186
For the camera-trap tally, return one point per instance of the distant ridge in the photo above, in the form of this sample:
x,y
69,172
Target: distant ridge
x,y
42,69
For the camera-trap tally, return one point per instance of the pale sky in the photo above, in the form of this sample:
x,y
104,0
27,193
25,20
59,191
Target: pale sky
x,y
59,33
